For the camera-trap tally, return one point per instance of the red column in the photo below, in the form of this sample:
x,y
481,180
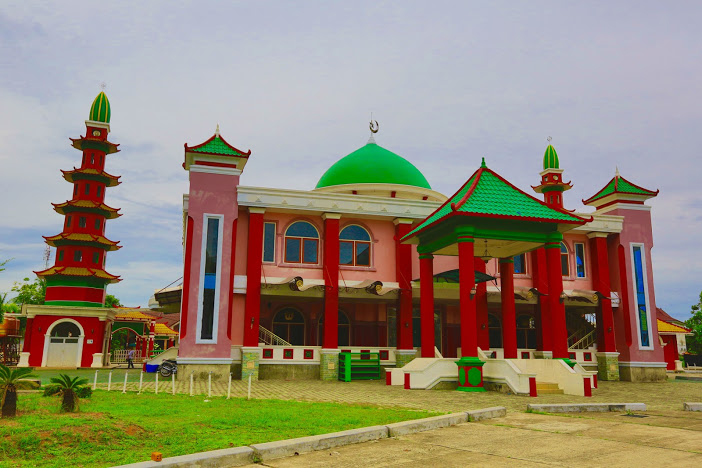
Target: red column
x,y
509,319
466,272
403,269
331,281
540,282
254,257
426,303
481,307
144,341
557,308
27,335
601,283
185,292
152,337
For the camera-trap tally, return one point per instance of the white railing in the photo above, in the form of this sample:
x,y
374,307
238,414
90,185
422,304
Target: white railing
x,y
266,336
586,341
119,356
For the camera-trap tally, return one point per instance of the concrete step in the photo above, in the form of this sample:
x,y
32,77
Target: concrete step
x,y
547,388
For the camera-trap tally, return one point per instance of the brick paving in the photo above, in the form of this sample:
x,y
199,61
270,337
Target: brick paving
x,y
665,396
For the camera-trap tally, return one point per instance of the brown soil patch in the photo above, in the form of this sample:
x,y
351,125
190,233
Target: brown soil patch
x,y
133,430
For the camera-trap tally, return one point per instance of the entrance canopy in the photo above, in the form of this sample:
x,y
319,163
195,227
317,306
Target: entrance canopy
x,y
490,208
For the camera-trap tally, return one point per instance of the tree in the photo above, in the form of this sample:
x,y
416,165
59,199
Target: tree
x,y
70,389
9,382
694,323
3,263
112,301
30,293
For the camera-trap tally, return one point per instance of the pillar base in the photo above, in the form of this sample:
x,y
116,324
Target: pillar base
x,y
97,360
329,364
470,374
404,357
607,366
250,358
543,354
23,360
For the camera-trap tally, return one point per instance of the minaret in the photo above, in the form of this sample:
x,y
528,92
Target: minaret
x,y
78,277
552,185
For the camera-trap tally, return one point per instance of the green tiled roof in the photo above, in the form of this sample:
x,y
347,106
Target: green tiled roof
x,y
486,194
217,145
619,184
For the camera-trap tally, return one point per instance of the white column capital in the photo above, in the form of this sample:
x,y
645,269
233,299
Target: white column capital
x,y
256,210
326,216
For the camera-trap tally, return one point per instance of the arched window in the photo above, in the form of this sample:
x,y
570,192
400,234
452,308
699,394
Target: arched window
x,y
289,324
565,262
526,332
354,246
301,243
344,330
65,329
495,331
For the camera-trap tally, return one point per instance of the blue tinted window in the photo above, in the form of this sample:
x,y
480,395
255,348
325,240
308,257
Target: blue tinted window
x,y
292,250
302,229
309,250
641,297
362,254
354,232
580,260
345,253
565,266
520,264
209,285
269,242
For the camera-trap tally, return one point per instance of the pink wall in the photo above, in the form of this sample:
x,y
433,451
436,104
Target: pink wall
x,y
210,194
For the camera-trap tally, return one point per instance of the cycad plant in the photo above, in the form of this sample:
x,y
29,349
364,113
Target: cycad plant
x,y
9,382
70,389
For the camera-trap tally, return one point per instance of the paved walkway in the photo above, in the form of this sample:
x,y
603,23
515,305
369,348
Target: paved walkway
x,y
529,440
658,396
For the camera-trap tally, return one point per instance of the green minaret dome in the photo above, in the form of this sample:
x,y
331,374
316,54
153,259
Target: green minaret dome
x,y
551,158
100,110
373,164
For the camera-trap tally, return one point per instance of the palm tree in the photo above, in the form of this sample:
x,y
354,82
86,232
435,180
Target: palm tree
x,y
9,381
68,387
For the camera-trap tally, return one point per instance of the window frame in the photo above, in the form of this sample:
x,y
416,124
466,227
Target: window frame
x,y
647,297
575,253
567,255
524,263
218,280
301,243
354,247
275,238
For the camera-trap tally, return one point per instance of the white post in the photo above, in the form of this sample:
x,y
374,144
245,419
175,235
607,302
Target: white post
x,y
156,385
191,384
109,381
124,387
229,388
95,381
173,383
209,385
141,379
248,396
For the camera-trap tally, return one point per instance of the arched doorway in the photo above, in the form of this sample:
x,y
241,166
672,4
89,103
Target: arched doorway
x,y
289,324
344,330
495,331
63,344
526,332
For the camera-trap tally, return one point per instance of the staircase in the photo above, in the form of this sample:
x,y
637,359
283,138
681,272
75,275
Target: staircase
x,y
545,388
266,336
586,334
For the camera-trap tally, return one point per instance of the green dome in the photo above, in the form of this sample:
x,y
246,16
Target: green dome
x,y
551,158
100,110
373,164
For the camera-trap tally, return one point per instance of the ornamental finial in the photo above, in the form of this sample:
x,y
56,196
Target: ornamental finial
x,y
217,130
482,164
103,85
374,127
549,140
616,172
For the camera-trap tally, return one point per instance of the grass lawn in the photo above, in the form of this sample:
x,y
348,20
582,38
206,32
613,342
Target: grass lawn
x,y
115,428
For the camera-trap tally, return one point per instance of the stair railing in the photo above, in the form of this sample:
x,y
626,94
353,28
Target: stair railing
x,y
268,337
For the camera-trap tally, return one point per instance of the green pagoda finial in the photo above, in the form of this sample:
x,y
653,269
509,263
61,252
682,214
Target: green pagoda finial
x,y
100,110
483,165
550,157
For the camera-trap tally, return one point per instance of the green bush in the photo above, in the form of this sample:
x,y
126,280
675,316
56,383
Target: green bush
x,y
84,391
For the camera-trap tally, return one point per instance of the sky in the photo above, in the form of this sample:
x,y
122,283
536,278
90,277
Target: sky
x,y
615,84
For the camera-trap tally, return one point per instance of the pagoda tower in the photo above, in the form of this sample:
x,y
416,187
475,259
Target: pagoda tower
x,y
78,277
552,185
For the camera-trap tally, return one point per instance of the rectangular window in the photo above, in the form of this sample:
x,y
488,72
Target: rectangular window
x,y
87,189
345,253
92,159
292,250
640,290
269,242
96,258
580,260
68,221
362,253
82,222
75,189
77,256
210,278
60,255
309,250
99,191
97,224
520,264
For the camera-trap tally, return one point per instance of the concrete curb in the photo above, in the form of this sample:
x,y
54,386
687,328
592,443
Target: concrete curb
x,y
239,456
687,406
487,413
587,407
285,448
426,424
